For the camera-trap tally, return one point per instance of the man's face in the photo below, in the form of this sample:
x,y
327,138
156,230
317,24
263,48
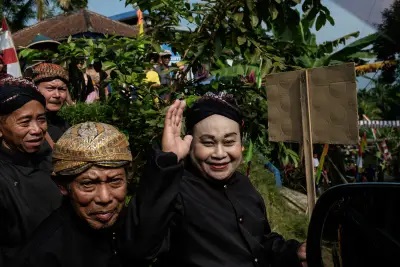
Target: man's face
x,y
166,60
25,128
216,148
55,92
98,195
79,65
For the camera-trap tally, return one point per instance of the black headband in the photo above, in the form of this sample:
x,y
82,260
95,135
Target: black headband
x,y
13,97
212,104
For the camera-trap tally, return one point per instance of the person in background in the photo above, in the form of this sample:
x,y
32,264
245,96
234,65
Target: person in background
x,y
151,75
315,162
90,166
27,193
370,173
81,83
213,216
99,77
52,81
3,68
163,67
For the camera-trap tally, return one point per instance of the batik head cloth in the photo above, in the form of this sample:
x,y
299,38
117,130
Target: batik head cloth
x,y
90,144
49,71
16,92
213,104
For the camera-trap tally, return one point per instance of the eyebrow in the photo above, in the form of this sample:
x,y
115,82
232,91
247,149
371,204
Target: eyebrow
x,y
23,117
204,136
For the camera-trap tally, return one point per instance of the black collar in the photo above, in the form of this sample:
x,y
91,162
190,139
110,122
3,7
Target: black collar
x,y
32,160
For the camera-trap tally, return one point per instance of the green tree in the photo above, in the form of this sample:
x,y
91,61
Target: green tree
x,y
231,29
42,6
387,45
380,101
17,12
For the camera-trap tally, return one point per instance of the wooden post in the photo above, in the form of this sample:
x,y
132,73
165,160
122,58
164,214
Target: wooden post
x,y
307,140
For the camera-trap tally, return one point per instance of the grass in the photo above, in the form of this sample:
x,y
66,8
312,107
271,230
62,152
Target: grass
x,y
283,219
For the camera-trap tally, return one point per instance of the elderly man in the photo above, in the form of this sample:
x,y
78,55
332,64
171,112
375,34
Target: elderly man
x,y
52,81
90,165
27,193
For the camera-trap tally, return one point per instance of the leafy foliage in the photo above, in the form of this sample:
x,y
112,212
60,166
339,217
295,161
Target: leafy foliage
x,y
282,218
230,30
386,46
17,12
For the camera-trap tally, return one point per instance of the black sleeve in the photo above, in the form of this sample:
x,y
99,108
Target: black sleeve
x,y
3,222
155,202
280,252
39,259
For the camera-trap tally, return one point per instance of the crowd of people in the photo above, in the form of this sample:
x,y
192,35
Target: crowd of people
x,y
63,189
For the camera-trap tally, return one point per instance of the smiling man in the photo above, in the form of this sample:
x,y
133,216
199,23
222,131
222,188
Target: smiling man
x,y
216,217
27,193
90,165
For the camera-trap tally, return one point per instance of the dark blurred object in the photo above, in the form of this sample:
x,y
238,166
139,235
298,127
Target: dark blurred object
x,y
42,42
356,225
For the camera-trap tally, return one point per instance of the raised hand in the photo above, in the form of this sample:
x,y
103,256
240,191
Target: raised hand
x,y
172,140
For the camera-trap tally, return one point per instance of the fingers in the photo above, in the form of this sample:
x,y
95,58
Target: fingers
x,y
171,113
175,113
179,115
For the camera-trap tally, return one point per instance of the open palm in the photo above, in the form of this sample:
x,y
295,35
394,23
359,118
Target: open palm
x,y
172,140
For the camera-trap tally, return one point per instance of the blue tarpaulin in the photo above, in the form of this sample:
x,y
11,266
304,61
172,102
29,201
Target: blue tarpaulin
x,y
276,172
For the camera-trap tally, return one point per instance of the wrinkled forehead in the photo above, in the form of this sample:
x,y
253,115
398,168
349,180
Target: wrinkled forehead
x,y
55,82
217,126
98,172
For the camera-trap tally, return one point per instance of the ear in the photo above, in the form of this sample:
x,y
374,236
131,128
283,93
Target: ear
x,y
242,148
63,189
1,129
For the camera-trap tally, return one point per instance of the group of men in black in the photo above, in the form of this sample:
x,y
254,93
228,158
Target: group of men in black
x,y
63,190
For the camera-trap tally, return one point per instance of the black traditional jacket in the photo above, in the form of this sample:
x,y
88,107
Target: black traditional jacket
x,y
66,240
56,126
203,222
27,197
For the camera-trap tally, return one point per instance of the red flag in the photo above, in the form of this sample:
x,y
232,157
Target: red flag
x,y
140,21
7,48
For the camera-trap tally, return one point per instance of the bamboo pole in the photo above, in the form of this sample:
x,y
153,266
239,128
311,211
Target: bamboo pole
x,y
307,141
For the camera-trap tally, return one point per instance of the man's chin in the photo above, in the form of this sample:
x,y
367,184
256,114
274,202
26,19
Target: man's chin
x,y
53,107
31,150
219,175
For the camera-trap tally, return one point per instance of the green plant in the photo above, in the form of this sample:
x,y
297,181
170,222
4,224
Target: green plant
x,y
283,219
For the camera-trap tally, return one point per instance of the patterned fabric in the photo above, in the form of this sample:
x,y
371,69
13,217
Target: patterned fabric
x,y
49,71
16,92
87,144
17,82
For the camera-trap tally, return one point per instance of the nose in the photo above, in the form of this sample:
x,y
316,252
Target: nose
x,y
104,196
35,129
56,93
219,152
